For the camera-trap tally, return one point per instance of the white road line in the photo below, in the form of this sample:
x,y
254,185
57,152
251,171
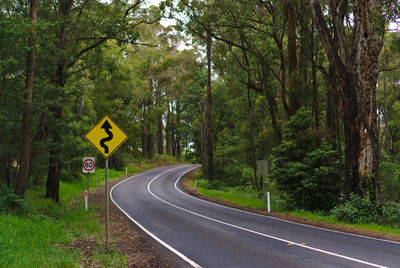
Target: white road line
x,y
258,233
277,219
191,262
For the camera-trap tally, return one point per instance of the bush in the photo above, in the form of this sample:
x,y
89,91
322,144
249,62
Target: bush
x,y
390,178
357,210
13,204
305,171
391,214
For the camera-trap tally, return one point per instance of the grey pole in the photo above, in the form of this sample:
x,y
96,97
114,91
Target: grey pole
x,y
106,188
88,185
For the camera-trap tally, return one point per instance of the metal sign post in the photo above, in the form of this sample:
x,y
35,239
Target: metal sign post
x,y
106,187
106,136
88,166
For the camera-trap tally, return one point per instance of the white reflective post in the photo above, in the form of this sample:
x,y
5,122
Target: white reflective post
x,y
86,201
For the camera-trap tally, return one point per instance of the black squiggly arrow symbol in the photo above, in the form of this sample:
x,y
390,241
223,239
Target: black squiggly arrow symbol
x,y
107,128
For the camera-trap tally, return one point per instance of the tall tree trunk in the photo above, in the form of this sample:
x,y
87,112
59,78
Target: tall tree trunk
x,y
201,134
159,133
38,138
150,144
168,146
207,135
294,104
273,108
173,142
160,137
282,78
53,176
177,133
314,80
145,138
331,104
385,106
356,70
22,180
52,183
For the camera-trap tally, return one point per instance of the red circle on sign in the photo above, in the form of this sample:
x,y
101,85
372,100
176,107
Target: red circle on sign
x,y
89,161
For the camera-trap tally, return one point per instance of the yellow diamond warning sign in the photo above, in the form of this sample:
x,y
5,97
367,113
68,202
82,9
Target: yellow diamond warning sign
x,y
106,136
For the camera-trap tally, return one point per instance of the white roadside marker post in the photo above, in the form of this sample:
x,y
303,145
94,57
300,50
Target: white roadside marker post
x,y
86,201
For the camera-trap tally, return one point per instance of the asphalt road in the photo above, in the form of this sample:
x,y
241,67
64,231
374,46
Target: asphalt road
x,y
203,234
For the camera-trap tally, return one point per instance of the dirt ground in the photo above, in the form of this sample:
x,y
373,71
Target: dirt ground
x,y
124,238
141,251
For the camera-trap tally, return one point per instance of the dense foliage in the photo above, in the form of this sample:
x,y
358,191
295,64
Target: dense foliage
x,y
305,170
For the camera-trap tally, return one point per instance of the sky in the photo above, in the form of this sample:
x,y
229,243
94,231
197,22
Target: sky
x,y
164,22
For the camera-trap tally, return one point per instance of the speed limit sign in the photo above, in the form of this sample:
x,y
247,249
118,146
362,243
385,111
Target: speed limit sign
x,y
88,165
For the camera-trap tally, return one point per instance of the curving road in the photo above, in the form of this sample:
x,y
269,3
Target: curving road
x,y
203,234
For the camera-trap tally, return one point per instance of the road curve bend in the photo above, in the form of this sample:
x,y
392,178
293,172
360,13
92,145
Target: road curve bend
x,y
203,234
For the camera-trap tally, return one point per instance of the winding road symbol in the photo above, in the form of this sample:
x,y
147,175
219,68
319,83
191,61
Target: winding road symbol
x,y
106,126
106,136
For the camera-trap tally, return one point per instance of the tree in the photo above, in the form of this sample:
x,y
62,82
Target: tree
x,y
72,44
23,175
353,52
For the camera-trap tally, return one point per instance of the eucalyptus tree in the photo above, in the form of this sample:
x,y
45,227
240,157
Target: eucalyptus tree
x,y
195,22
22,179
352,37
15,28
79,27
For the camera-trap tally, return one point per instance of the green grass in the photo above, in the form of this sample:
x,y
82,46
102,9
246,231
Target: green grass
x,y
33,242
244,199
40,239
330,219
251,199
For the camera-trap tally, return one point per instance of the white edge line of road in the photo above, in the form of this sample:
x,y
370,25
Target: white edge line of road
x,y
183,257
258,233
277,219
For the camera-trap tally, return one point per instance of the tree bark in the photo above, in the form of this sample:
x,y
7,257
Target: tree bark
x,y
207,169
385,107
168,146
53,181
294,104
22,180
177,134
314,81
160,137
145,138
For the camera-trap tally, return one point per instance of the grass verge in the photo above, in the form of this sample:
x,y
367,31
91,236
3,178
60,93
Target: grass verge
x,y
250,198
47,234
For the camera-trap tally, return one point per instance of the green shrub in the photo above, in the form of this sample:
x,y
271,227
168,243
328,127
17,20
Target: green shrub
x,y
198,175
389,172
11,203
357,210
304,170
391,214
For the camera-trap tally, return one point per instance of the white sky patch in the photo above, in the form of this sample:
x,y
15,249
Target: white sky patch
x,y
164,22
